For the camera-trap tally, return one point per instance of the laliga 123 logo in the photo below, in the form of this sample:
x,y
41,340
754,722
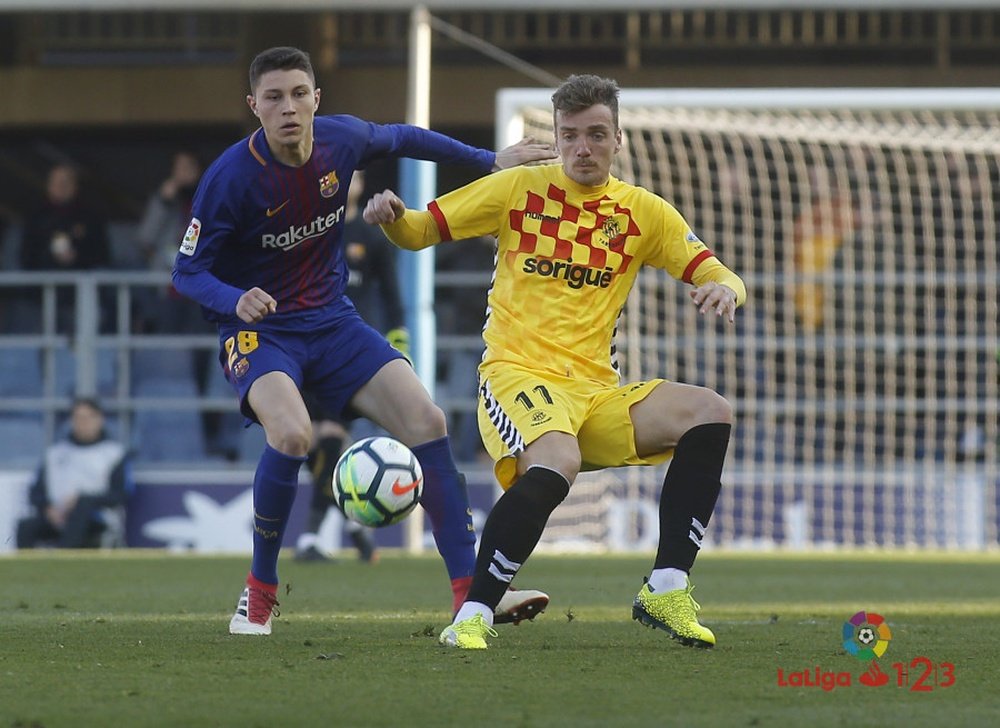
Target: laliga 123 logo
x,y
866,636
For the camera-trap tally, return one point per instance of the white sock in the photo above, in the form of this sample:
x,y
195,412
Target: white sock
x,y
306,541
471,609
664,580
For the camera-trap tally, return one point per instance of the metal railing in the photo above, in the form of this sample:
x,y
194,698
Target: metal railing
x,y
90,318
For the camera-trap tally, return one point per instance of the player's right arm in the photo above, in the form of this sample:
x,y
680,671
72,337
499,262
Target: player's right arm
x,y
471,211
215,220
407,229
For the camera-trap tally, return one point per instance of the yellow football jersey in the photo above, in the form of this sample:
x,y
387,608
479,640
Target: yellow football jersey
x,y
567,258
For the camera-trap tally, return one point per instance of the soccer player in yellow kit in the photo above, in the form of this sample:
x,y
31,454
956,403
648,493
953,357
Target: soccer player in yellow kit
x,y
571,239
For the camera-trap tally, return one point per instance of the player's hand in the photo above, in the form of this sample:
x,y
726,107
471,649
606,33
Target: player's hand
x,y
383,208
399,338
254,305
715,297
527,150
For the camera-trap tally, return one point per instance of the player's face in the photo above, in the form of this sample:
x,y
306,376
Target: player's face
x,y
587,142
286,103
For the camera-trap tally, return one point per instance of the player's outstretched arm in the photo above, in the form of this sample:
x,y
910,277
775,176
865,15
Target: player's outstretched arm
x,y
254,305
527,150
407,229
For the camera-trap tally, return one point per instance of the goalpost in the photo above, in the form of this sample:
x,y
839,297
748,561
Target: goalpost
x,y
863,368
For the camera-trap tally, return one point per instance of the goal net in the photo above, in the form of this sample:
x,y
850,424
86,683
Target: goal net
x,y
863,369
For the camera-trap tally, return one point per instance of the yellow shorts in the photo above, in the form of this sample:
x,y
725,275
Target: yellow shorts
x,y
517,406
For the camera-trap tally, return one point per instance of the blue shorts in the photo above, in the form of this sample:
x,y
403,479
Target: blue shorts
x,y
331,353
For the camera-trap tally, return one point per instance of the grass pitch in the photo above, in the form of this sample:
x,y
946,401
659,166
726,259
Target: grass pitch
x,y
140,639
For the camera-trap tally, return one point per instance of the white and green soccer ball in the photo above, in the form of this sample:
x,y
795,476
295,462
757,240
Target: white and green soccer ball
x,y
377,481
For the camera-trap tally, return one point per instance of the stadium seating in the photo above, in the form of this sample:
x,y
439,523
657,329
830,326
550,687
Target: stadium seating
x,y
107,372
252,443
162,365
22,441
20,372
228,430
168,435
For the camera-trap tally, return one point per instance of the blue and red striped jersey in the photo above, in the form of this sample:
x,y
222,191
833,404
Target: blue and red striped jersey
x,y
258,222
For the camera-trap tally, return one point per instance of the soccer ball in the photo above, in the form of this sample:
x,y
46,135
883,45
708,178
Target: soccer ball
x,y
377,481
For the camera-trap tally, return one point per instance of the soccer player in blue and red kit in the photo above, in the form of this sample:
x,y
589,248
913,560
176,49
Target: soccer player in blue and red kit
x,y
263,255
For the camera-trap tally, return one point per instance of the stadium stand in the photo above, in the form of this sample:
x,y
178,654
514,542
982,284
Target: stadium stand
x,y
169,435
66,367
22,374
226,427
251,444
162,365
22,440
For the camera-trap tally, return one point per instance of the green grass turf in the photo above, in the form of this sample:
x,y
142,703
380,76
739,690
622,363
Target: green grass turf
x,y
140,639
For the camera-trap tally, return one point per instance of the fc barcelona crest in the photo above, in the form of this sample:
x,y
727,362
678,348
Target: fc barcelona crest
x,y
329,184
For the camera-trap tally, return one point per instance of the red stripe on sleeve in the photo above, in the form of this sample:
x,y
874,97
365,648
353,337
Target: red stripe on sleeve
x,y
442,224
689,271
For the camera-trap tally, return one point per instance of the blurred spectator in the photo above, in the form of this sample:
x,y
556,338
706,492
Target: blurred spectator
x,y
826,221
166,217
64,234
168,212
462,312
79,495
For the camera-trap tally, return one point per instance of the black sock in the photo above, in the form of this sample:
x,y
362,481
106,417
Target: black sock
x,y
321,463
690,490
512,530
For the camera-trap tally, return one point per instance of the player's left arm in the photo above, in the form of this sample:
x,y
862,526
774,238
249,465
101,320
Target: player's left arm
x,y
687,258
405,140
717,289
525,151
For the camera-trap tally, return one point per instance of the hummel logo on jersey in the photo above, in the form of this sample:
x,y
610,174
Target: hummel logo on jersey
x,y
298,234
400,489
540,216
276,210
576,276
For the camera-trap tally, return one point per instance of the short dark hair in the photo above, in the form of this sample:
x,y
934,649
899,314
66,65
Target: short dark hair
x,y
281,58
579,92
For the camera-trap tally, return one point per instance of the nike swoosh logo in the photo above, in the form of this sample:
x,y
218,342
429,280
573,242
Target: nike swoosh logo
x,y
400,489
275,211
